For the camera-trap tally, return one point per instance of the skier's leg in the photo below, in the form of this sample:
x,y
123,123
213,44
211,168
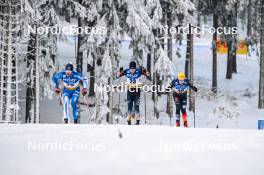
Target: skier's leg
x,y
66,100
129,108
74,102
178,110
137,105
183,109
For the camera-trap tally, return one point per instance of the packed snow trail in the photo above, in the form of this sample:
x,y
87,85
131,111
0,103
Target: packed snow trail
x,y
120,149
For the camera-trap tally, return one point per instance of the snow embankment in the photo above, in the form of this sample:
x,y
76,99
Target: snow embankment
x,y
103,149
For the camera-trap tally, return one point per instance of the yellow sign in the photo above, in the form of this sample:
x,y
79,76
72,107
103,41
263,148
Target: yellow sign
x,y
243,48
222,47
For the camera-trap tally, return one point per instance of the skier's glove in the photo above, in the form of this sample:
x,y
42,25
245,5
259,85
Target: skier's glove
x,y
57,90
120,73
144,70
194,89
121,69
84,91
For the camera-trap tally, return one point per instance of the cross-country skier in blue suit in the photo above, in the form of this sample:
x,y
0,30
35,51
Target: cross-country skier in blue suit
x,y
133,75
71,89
180,87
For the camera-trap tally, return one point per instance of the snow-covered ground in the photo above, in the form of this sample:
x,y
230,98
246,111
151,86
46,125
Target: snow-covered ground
x,y
117,149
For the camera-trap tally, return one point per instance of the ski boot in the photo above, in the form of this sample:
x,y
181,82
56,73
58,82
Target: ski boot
x,y
138,122
185,122
66,121
177,123
75,121
129,119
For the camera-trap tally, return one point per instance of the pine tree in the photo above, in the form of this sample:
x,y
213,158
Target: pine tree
x,y
215,8
9,81
40,59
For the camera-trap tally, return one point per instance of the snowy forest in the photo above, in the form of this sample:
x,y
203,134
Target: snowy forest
x,y
226,67
131,87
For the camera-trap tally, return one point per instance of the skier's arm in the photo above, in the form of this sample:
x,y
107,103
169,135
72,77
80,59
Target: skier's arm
x,y
120,73
194,88
84,81
56,78
172,84
145,72
84,84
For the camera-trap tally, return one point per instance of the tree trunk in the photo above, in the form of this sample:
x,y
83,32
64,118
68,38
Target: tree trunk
x,y
79,58
30,89
170,50
261,77
37,77
2,39
214,72
109,116
188,53
234,65
249,9
189,63
199,4
92,78
8,112
155,80
149,62
229,69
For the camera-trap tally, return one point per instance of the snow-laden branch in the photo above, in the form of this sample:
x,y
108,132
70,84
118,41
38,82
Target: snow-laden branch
x,y
163,65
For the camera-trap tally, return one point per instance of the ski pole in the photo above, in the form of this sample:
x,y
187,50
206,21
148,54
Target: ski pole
x,y
118,107
194,119
145,107
60,98
86,102
193,104
170,121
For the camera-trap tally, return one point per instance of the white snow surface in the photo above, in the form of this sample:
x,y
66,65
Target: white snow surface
x,y
144,149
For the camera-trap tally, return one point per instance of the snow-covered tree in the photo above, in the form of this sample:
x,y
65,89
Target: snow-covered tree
x,y
14,16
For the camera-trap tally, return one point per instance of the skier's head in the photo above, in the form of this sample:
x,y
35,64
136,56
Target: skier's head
x,y
181,76
69,68
132,66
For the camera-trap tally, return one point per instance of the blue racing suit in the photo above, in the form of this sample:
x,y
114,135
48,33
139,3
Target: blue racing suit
x,y
180,95
70,91
133,93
